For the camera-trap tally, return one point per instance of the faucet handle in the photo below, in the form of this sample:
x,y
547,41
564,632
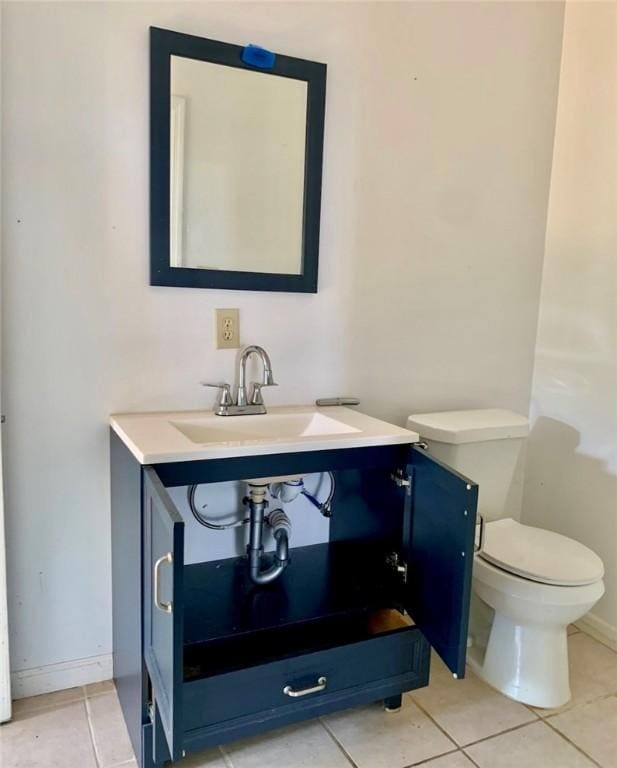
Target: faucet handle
x,y
256,397
225,397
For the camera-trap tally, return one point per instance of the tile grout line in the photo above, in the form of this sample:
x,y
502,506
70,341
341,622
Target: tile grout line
x,y
91,732
226,758
435,757
574,707
82,689
501,733
432,719
519,727
605,643
572,743
471,760
100,693
462,748
48,706
455,747
337,742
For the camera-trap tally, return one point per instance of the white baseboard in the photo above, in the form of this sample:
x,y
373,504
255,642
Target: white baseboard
x,y
603,631
56,677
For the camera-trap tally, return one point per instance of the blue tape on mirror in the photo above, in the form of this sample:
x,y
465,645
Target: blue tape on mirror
x,y
258,57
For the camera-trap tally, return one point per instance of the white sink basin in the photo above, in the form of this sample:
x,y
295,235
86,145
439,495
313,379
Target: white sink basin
x,y
220,429
157,438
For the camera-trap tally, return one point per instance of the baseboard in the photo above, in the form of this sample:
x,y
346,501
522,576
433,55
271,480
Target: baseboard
x,y
603,631
56,677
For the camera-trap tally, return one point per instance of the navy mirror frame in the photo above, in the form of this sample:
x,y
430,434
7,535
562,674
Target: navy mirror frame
x,y
165,43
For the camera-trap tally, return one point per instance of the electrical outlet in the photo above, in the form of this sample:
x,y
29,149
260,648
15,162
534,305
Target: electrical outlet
x,y
227,328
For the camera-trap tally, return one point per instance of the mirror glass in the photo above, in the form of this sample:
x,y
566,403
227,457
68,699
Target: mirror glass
x,y
237,168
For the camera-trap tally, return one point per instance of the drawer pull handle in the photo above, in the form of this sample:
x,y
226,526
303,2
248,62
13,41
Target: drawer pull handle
x,y
162,606
321,686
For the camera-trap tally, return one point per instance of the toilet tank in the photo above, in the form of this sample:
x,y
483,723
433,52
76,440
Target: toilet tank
x,y
487,446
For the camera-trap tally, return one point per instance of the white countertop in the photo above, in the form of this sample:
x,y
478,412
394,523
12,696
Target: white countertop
x,y
162,437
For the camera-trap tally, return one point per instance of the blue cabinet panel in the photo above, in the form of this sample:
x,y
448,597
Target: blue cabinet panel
x,y
438,540
163,606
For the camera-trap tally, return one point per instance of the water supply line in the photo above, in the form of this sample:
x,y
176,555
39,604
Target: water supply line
x,y
289,490
201,518
281,529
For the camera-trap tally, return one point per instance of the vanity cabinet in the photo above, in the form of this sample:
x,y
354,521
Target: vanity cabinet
x,y
203,656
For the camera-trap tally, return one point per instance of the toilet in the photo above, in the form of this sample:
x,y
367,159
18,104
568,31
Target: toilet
x,y
528,583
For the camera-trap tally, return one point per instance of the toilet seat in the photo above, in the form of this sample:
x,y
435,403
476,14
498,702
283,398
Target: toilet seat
x,y
539,555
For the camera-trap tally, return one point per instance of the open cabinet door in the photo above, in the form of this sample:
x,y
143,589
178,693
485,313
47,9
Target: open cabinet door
x,y
438,546
163,607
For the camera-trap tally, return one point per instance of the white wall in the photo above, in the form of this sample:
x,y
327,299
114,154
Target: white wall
x,y
5,689
449,231
84,334
438,140
571,472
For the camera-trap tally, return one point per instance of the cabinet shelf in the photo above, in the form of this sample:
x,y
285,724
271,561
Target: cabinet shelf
x,y
321,580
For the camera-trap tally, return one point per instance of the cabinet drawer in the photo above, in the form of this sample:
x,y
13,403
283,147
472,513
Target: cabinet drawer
x,y
306,681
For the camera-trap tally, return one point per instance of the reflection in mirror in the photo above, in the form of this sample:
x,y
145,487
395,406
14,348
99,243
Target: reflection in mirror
x,y
237,166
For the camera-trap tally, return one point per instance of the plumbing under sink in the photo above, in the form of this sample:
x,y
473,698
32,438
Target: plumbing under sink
x,y
214,429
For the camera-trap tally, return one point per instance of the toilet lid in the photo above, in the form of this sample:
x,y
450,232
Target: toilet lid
x,y
539,555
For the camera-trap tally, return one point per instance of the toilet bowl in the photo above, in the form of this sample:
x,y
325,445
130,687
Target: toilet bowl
x,y
535,582
528,583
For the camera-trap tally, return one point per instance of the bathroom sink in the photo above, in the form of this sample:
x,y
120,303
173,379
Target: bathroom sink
x,y
156,438
219,429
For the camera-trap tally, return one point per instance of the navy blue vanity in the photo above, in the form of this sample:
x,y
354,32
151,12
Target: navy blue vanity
x,y
203,656
209,651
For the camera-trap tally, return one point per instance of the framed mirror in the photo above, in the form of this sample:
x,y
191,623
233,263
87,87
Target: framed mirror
x,y
236,146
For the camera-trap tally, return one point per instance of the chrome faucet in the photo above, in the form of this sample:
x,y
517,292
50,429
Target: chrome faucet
x,y
267,381
226,406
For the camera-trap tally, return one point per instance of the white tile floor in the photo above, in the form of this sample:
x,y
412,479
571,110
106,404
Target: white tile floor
x,y
450,724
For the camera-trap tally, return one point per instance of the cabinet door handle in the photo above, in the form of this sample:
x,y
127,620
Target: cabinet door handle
x,y
321,685
162,606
